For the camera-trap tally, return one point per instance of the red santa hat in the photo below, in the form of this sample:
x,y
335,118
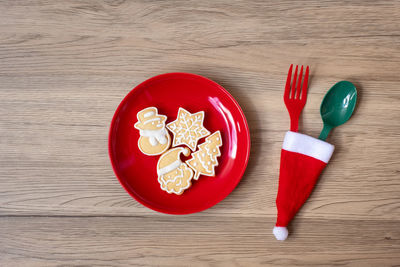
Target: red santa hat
x,y
302,160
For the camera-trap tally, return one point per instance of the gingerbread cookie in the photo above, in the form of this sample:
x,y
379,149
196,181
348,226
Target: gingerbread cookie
x,y
205,160
174,176
188,128
154,138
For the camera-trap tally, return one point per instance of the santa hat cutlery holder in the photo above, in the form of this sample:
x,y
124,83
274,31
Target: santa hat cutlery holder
x,y
302,160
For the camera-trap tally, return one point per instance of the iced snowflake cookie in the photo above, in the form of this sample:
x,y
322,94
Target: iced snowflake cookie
x,y
205,159
174,176
154,138
188,128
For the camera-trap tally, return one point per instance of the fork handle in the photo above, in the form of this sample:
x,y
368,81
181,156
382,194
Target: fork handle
x,y
294,121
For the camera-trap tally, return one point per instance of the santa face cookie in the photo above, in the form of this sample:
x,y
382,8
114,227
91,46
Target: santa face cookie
x,y
174,176
188,128
154,138
205,159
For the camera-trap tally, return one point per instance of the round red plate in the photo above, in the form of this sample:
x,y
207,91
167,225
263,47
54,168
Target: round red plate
x,y
137,172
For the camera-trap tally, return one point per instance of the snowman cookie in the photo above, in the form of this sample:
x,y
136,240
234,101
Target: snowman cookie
x,y
188,128
154,138
174,176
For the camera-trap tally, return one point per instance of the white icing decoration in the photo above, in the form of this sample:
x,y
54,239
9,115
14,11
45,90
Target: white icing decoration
x,y
153,141
188,128
164,183
175,170
156,136
169,168
203,163
148,114
210,166
152,120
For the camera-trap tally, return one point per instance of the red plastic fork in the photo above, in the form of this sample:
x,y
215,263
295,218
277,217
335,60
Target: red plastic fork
x,y
295,101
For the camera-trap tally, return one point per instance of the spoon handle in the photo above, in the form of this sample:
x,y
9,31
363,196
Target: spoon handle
x,y
325,131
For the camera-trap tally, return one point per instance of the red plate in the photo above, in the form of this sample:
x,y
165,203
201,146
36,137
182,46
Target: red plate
x,y
137,172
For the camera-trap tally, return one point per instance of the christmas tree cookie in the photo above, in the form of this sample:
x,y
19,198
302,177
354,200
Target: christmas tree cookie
x,y
205,159
188,128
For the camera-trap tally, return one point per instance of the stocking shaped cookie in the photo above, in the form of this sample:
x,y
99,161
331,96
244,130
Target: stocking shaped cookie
x,y
154,138
205,159
174,176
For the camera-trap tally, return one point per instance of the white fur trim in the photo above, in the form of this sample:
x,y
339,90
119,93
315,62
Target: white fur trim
x,y
307,145
186,151
280,233
174,165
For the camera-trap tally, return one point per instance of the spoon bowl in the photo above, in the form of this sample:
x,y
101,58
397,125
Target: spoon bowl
x,y
337,106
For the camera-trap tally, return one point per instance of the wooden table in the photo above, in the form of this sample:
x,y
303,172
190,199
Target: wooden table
x,y
66,65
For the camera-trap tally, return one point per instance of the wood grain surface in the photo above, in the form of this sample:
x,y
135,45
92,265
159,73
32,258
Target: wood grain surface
x,y
66,65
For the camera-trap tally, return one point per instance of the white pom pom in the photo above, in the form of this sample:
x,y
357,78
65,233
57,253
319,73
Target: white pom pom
x,y
281,233
186,151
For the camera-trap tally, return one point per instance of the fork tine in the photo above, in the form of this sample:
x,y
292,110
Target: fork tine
x,y
305,86
299,83
287,87
294,82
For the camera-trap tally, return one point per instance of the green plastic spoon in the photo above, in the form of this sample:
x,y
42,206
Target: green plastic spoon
x,y
337,106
